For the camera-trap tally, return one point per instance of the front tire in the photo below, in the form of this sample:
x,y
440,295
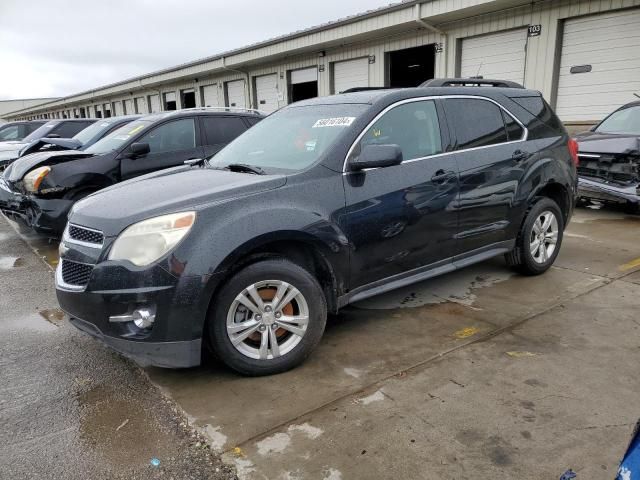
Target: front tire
x,y
268,318
539,240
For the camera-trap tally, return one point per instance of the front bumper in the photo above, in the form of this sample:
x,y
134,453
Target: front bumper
x,y
47,216
115,289
608,192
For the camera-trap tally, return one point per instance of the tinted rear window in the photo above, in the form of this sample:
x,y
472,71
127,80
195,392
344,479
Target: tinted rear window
x,y
221,130
477,122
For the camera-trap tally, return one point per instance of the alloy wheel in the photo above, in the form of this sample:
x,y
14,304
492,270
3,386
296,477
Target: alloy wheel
x,y
544,237
267,319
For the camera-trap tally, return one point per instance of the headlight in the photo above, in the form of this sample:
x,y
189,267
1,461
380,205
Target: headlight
x,y
145,242
33,179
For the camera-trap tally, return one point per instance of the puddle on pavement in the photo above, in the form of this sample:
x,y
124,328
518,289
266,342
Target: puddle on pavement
x,y
7,263
45,247
120,429
54,316
456,287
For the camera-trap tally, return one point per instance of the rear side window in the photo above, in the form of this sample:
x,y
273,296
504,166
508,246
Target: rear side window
x,y
543,112
514,130
221,130
253,121
413,126
477,122
171,137
69,129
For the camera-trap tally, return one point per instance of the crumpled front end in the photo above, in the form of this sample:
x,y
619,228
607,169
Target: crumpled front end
x,y
46,216
609,169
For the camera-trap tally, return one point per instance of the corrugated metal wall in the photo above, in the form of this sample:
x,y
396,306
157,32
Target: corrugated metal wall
x,y
373,37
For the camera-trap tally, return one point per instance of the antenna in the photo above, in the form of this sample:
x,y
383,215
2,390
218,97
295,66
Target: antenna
x,y
479,68
637,95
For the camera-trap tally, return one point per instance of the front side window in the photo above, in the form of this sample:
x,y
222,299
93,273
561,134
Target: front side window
x,y
69,129
626,120
291,139
220,130
40,132
477,123
414,127
10,133
171,137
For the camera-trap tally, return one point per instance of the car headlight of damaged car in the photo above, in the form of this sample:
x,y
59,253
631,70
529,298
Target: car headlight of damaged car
x,y
34,178
145,242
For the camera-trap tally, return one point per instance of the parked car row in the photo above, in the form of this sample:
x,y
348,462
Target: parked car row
x,y
40,188
172,243
323,203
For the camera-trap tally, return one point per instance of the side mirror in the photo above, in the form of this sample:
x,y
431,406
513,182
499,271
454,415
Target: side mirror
x,y
377,156
139,149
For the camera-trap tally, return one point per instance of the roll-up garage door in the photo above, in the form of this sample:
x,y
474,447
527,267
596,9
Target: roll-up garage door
x,y
128,107
350,74
210,96
154,101
267,93
117,108
235,94
305,75
603,52
499,56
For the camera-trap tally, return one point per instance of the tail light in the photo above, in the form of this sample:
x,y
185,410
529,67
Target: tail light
x,y
573,150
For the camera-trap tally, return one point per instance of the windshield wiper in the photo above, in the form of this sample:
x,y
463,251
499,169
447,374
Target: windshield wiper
x,y
244,168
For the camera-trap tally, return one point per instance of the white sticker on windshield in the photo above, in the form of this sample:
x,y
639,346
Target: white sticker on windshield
x,y
334,122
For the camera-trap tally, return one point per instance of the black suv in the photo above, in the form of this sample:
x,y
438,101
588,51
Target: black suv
x,y
42,188
324,203
16,131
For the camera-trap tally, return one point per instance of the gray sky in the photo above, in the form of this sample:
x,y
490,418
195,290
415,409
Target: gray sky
x,y
63,47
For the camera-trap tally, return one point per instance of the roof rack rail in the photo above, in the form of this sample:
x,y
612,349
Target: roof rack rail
x,y
222,109
470,82
364,89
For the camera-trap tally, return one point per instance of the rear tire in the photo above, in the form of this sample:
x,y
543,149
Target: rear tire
x,y
539,240
268,318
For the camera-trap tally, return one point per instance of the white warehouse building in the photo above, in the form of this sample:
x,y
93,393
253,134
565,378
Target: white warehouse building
x,y
583,55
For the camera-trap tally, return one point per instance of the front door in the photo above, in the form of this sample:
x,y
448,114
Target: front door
x,y
170,145
401,218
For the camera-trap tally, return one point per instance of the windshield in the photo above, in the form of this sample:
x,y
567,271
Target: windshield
x,y
626,120
118,137
291,139
38,133
92,131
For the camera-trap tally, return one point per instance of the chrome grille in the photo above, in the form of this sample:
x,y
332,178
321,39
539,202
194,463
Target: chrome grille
x,y
86,235
76,274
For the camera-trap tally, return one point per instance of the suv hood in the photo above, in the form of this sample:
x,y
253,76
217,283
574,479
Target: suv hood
x,y
65,143
608,143
113,209
25,164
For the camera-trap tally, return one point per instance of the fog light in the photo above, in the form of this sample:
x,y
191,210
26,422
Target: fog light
x,y
142,318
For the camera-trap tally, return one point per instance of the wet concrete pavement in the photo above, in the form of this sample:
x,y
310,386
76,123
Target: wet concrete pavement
x,y
478,374
70,408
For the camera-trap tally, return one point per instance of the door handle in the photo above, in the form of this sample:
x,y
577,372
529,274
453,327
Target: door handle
x,y
442,176
519,155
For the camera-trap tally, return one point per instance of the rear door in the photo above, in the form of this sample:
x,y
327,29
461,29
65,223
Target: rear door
x,y
219,130
492,157
401,218
170,143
